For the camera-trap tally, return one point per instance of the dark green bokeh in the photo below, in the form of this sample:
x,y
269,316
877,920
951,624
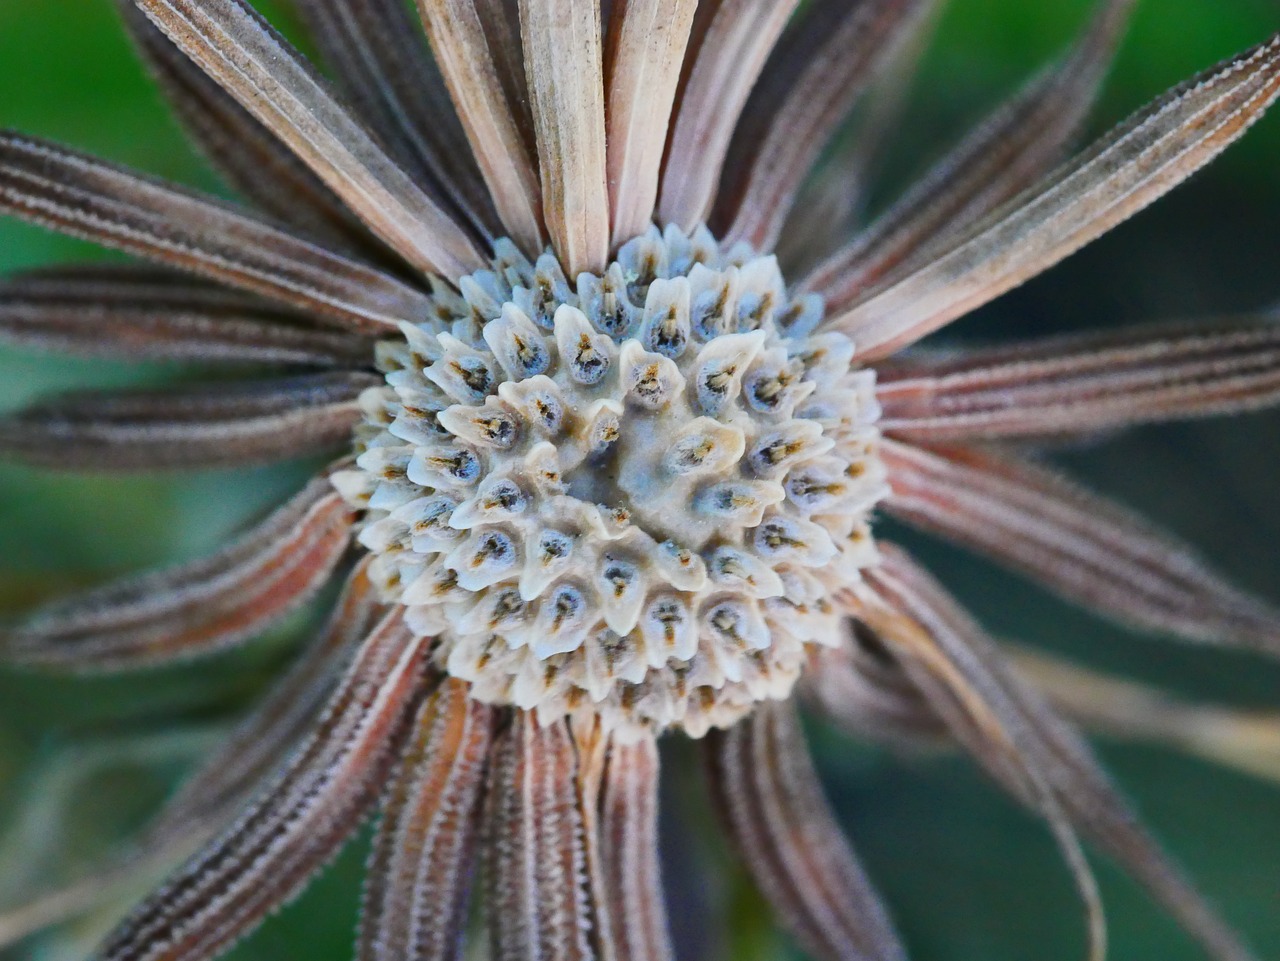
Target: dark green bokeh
x,y
969,877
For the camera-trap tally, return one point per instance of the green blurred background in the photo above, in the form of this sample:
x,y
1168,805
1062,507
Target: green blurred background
x,y
968,876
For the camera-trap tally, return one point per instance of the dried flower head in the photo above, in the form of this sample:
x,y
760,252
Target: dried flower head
x,y
610,474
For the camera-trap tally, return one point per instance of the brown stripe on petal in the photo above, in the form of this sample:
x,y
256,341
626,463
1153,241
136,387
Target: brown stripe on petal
x,y
203,425
735,42
819,71
1087,549
633,918
1086,382
1148,155
78,195
199,607
247,155
1015,146
256,66
782,827
537,860
381,59
118,310
419,877
646,46
474,64
564,65
960,669
296,826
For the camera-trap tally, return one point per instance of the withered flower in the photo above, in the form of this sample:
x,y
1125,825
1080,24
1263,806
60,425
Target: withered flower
x,y
607,474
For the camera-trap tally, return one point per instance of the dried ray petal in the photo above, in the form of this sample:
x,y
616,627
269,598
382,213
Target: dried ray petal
x,y
242,422
1087,383
1005,154
634,919
257,67
1247,740
297,825
118,310
859,687
197,607
1082,546
734,45
87,198
245,153
1145,157
646,46
419,880
813,80
946,651
381,59
471,68
224,782
564,62
537,857
772,804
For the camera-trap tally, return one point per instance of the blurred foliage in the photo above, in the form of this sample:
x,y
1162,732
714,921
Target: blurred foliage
x,y
967,874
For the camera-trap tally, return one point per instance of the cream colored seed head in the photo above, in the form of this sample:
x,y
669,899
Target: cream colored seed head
x,y
631,496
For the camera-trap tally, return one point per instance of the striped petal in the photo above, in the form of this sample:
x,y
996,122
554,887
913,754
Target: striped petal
x,y
87,198
481,68
646,47
296,826
1148,155
1085,548
1087,383
118,310
564,62
1008,152
233,424
537,858
195,608
773,806
819,71
419,878
383,66
248,157
256,66
961,672
724,66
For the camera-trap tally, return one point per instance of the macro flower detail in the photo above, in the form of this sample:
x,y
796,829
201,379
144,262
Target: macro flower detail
x,y
616,392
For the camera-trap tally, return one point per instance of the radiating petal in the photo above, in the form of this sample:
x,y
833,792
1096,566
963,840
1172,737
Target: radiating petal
x,y
773,806
247,155
1089,550
257,67
1113,706
1008,152
564,62
1087,382
819,71
383,66
1148,155
537,860
473,71
962,673
646,47
198,607
419,877
88,198
724,66
297,825
118,310
224,782
217,424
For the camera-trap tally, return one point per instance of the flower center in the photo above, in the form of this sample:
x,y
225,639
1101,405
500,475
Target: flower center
x,y
631,496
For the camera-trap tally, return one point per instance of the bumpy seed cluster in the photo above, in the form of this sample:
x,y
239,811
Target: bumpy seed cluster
x,y
631,496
